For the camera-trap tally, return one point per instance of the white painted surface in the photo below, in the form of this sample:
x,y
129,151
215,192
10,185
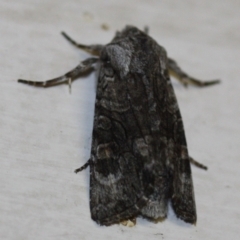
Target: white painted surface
x,y
46,133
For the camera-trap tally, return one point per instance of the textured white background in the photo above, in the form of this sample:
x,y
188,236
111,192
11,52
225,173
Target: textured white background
x,y
46,133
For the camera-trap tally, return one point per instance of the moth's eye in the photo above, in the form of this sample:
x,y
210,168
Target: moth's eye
x,y
107,67
104,57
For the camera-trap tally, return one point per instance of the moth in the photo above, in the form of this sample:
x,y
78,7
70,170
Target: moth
x,y
139,157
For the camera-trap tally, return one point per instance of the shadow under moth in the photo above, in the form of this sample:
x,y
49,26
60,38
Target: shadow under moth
x,y
139,158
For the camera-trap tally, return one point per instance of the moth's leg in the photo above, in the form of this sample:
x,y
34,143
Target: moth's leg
x,y
94,49
184,78
197,164
83,166
81,68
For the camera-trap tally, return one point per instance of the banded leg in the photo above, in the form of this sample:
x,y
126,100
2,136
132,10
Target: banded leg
x,y
81,68
184,78
94,49
197,164
88,163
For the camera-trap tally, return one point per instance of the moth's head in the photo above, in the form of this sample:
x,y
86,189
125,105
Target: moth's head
x,y
118,57
128,31
129,52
